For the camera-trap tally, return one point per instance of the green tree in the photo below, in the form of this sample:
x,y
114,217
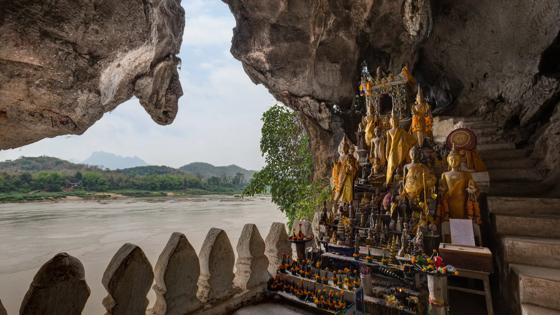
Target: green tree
x,y
49,181
288,169
92,181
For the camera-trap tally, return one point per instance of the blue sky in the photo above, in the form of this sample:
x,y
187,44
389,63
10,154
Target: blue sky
x,y
219,114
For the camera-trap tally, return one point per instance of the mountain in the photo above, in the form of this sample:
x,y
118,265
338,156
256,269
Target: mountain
x,y
206,170
112,161
41,163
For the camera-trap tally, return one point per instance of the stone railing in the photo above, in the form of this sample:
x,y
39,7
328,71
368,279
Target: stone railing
x,y
184,283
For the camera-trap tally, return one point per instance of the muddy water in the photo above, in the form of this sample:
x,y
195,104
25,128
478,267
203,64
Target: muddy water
x,y
31,233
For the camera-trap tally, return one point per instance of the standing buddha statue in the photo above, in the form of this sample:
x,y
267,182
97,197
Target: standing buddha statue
x,y
419,180
344,173
458,191
377,151
398,144
421,119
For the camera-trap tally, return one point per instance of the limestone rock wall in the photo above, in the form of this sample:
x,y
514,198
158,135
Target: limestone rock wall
x,y
496,58
64,64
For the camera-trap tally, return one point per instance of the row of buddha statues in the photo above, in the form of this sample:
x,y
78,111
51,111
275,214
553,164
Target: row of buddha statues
x,y
407,164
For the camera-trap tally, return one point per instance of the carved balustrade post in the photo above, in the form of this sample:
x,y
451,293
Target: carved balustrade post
x,y
276,246
216,267
176,276
252,264
59,287
127,279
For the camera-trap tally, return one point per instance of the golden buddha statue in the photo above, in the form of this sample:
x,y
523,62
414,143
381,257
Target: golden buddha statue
x,y
459,192
419,180
398,144
421,119
377,150
371,122
405,73
344,172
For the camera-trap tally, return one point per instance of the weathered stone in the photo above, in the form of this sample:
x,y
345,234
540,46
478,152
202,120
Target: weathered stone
x,y
216,267
127,279
538,286
58,288
489,57
76,60
543,252
176,277
528,309
251,266
524,206
276,246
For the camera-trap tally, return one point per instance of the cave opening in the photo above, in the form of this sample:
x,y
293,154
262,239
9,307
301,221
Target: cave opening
x,y
549,64
385,104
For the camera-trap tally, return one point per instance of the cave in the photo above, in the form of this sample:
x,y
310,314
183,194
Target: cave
x,y
489,66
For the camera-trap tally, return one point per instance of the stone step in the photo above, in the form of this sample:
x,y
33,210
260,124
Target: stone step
x,y
523,206
489,138
534,226
538,286
514,174
513,163
495,146
468,119
517,189
479,124
542,252
506,154
528,309
487,131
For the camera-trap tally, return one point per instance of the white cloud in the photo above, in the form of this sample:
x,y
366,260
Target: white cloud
x,y
219,114
207,30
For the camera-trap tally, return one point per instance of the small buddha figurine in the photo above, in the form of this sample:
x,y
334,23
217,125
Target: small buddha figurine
x,y
419,181
397,147
377,151
421,119
458,192
344,173
370,122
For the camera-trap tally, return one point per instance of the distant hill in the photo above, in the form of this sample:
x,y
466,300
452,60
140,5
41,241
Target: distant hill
x,y
198,169
150,170
205,170
112,161
42,163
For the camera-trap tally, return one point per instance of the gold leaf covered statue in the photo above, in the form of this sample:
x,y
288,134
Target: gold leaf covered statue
x,y
421,119
344,172
397,147
418,178
459,192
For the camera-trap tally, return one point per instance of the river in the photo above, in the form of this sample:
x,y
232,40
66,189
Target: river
x,y
92,231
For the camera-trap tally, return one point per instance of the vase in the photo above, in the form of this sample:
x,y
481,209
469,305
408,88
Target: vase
x,y
438,299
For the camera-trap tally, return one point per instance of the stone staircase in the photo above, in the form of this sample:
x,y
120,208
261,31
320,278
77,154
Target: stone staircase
x,y
528,251
526,228
512,172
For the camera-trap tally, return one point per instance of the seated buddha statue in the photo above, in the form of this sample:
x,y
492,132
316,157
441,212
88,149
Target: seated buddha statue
x,y
458,192
397,147
344,173
422,123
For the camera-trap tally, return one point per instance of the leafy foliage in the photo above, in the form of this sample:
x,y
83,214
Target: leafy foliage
x,y
288,172
34,176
